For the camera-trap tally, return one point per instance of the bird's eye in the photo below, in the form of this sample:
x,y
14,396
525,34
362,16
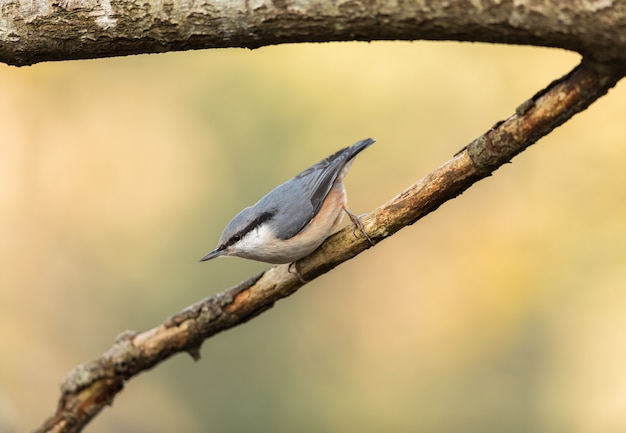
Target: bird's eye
x,y
236,238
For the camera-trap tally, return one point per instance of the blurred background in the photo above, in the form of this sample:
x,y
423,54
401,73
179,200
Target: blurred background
x,y
504,310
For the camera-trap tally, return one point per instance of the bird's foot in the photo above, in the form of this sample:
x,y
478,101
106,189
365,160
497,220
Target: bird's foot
x,y
356,223
294,266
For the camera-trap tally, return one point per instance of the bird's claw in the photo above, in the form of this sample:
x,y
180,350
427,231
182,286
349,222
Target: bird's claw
x,y
294,265
356,223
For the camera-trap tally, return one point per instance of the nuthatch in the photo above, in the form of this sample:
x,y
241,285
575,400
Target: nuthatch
x,y
294,218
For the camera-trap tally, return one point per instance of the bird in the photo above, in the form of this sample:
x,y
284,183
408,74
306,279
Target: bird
x,y
293,219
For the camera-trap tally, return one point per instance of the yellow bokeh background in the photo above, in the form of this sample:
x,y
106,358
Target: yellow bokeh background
x,y
502,311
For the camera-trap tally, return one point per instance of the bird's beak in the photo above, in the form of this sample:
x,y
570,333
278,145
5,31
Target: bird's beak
x,y
213,254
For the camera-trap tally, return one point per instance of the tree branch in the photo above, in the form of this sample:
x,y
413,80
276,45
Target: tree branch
x,y
92,386
32,32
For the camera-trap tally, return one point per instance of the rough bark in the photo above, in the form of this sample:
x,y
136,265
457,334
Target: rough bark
x,y
45,30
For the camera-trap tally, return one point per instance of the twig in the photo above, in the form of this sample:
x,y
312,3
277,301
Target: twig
x,y
91,386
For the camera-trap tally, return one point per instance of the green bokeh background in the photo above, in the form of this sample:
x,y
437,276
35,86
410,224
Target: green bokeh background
x,y
503,311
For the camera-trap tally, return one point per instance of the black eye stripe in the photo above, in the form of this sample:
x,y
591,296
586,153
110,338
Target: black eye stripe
x,y
247,229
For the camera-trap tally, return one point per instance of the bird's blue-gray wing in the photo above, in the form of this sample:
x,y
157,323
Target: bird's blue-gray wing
x,y
309,189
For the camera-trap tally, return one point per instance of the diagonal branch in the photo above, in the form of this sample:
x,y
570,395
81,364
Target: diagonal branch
x,y
44,30
92,386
